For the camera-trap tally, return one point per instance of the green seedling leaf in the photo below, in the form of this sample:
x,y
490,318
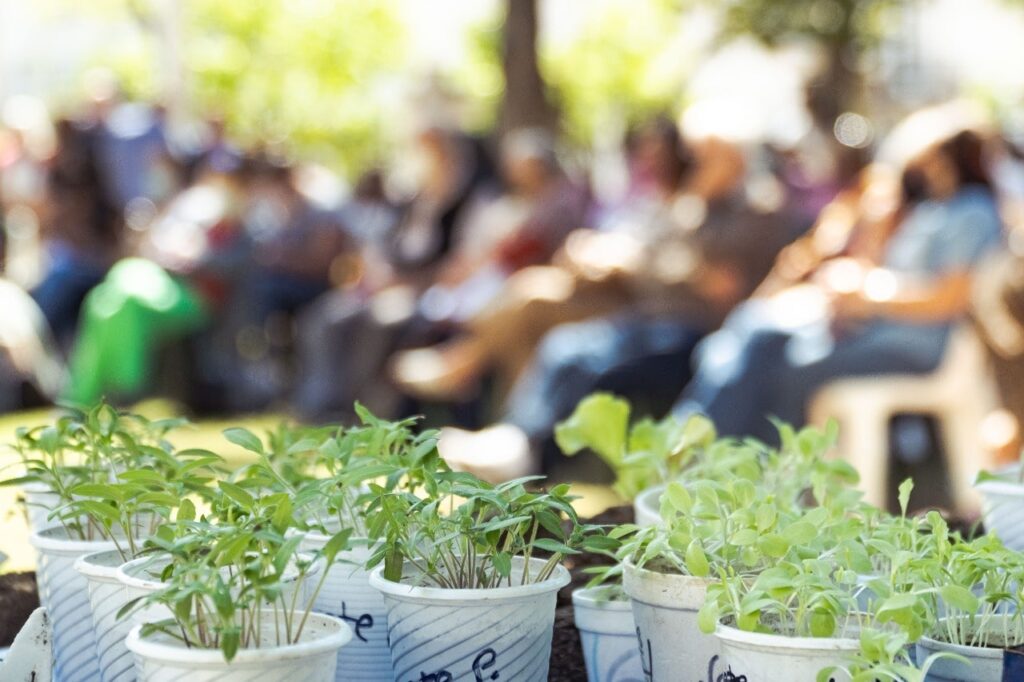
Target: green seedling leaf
x,y
600,423
244,438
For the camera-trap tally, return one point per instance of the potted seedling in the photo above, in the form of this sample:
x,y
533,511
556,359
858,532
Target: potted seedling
x,y
331,491
80,460
974,589
469,573
126,512
1002,504
644,456
804,618
800,620
237,595
604,617
669,567
738,517
844,602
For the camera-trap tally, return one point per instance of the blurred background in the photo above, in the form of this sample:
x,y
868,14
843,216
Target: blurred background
x,y
483,211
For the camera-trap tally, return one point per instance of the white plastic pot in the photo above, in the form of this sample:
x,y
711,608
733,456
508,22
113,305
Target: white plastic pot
x,y
665,607
65,594
106,597
985,663
647,506
160,658
346,594
769,658
607,634
1002,510
139,580
502,633
39,502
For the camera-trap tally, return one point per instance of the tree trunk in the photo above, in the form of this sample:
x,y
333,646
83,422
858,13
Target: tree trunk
x,y
525,103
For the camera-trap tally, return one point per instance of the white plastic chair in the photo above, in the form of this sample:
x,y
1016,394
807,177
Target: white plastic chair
x,y
959,393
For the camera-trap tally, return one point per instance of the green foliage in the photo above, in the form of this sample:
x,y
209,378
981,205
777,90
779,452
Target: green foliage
x,y
622,66
115,474
854,24
468,533
646,454
234,578
327,471
305,77
296,71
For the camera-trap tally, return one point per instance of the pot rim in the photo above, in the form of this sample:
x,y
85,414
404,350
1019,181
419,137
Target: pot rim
x,y
360,544
658,489
45,541
653,588
89,566
727,633
183,656
966,651
442,595
1007,488
37,488
970,651
590,598
148,584
130,580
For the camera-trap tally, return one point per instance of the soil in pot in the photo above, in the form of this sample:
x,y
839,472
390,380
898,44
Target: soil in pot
x,y
18,599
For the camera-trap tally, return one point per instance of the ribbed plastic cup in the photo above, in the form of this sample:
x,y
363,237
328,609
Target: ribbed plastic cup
x,y
160,658
106,597
65,594
346,594
495,634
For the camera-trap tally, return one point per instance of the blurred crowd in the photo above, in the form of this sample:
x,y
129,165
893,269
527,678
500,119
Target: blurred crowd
x,y
730,278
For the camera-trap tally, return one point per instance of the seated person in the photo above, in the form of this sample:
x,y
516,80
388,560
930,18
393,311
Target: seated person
x,y
583,280
494,239
857,319
28,355
682,286
80,227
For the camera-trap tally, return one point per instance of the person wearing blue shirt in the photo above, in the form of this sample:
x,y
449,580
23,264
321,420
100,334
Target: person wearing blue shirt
x,y
896,319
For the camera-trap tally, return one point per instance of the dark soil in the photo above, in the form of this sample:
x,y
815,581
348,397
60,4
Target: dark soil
x,y
566,652
18,599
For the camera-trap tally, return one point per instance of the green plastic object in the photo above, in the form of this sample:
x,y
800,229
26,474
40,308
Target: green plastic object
x,y
124,320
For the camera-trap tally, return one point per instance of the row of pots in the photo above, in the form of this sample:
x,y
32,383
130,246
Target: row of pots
x,y
655,636
84,584
365,628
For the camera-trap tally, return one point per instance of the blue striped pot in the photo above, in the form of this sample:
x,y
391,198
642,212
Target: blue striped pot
x,y
65,594
161,658
106,597
495,634
608,635
346,594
